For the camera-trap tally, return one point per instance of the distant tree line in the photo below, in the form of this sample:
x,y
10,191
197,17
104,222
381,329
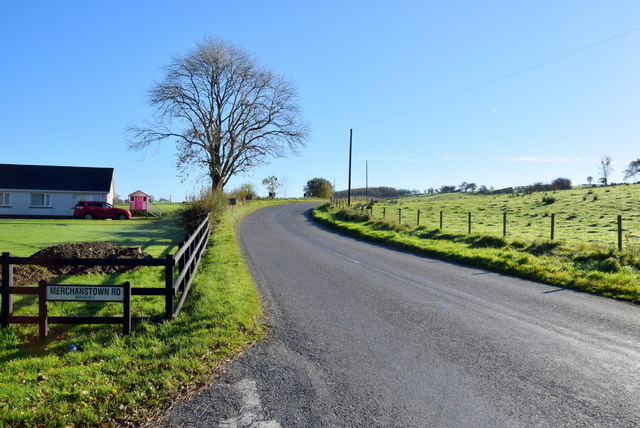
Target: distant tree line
x,y
377,192
560,183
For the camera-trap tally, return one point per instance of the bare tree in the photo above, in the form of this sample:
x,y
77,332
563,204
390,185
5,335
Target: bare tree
x,y
285,184
226,113
605,169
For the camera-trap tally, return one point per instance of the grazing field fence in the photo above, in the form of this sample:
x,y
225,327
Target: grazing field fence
x,y
179,271
619,230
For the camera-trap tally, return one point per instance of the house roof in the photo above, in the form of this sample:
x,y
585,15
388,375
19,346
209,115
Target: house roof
x,y
61,178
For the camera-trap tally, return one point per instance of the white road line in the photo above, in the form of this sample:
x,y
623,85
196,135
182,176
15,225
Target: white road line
x,y
347,258
251,412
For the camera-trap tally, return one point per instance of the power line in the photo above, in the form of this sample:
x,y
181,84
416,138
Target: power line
x,y
497,79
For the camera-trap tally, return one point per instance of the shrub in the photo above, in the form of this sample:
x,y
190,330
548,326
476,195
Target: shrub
x,y
518,245
487,241
209,202
350,214
548,199
539,248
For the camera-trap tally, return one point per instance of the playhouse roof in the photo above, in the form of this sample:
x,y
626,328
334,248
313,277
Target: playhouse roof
x,y
138,193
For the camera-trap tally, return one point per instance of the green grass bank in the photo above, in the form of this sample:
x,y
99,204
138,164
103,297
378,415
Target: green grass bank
x,y
587,267
115,380
581,214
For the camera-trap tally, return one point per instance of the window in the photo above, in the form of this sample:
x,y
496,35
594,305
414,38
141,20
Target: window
x,y
40,200
5,199
77,197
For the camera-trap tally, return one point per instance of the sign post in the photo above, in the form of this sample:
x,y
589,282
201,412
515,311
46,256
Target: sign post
x,y
84,293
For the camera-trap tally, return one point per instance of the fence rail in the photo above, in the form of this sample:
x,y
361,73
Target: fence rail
x,y
175,290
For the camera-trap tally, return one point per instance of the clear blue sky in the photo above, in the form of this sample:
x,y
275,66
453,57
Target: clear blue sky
x,y
74,74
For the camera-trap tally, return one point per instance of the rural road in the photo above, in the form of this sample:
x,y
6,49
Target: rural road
x,y
368,336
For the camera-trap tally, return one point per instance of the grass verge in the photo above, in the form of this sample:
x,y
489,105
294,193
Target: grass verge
x,y
582,267
114,380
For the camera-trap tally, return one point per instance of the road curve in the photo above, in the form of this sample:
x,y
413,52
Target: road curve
x,y
364,335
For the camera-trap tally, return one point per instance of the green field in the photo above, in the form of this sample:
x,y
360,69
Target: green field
x,y
584,254
582,214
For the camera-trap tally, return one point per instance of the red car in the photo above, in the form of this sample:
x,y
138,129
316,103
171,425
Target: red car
x,y
98,209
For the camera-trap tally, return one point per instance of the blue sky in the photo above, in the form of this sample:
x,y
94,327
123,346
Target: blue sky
x,y
400,74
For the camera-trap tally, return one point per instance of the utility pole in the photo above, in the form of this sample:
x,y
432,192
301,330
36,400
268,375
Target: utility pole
x,y
366,188
350,150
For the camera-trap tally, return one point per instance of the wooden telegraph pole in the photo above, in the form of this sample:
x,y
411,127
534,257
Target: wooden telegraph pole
x,y
350,150
366,186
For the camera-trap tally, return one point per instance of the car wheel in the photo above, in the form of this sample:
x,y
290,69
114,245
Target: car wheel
x,y
122,217
88,216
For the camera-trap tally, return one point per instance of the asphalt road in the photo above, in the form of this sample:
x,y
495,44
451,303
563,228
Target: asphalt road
x,y
368,336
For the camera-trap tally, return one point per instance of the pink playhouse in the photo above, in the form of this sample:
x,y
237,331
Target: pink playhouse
x,y
138,201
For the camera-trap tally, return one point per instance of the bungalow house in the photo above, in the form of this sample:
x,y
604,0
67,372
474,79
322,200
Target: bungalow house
x,y
43,190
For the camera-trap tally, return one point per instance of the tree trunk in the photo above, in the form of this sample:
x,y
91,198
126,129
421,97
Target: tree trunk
x,y
217,183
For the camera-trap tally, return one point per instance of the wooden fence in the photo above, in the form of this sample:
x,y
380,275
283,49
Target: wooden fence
x,y
179,270
617,231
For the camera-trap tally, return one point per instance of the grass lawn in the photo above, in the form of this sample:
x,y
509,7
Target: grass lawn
x,y
23,237
111,379
584,214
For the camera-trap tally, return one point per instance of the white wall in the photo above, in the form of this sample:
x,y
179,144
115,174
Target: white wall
x,y
62,203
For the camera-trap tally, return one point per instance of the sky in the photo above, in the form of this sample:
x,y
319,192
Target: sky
x,y
499,93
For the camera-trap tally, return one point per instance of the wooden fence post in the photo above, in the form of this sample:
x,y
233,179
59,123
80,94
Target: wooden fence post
x,y
7,283
399,215
504,225
43,315
126,322
168,284
384,212
553,225
418,220
440,220
469,222
619,232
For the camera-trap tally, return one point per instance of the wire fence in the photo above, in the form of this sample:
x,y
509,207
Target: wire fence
x,y
612,229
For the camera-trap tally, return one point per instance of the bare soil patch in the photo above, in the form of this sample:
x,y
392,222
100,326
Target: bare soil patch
x,y
30,274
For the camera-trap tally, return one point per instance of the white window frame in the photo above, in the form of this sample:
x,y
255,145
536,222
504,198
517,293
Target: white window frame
x,y
46,200
5,199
